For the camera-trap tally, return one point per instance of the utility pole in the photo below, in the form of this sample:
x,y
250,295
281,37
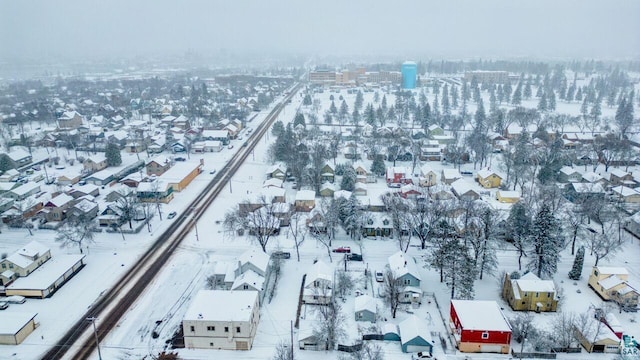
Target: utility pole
x,y
95,333
291,323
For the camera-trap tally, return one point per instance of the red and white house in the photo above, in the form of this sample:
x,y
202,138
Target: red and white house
x,y
398,175
479,326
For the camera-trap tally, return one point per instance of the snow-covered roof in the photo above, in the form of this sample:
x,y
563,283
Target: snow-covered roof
x,y
47,273
319,271
160,159
485,173
461,187
568,170
610,282
12,322
412,328
612,270
61,200
509,194
451,173
26,188
624,191
400,265
97,158
250,278
18,154
365,302
152,186
222,305
587,187
342,194
592,177
179,171
305,195
480,315
618,172
256,257
531,283
24,256
596,331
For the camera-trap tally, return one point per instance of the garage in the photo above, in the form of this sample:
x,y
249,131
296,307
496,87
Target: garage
x,y
491,348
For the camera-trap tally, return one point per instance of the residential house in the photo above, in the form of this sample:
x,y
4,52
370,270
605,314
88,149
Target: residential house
x,y
568,174
15,327
398,175
415,336
594,178
111,215
223,320
318,284
625,194
56,208
632,224
254,260
530,293
428,177
101,178
327,190
305,200
612,283
8,176
620,177
463,190
448,176
327,173
68,179
405,272
158,165
83,208
596,336
275,171
24,261
435,130
307,336
216,135
155,191
508,197
377,224
489,179
479,326
580,192
22,192
365,308
16,158
84,190
69,120
206,146
432,150
95,163
360,189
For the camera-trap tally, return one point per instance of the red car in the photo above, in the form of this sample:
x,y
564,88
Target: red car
x,y
342,249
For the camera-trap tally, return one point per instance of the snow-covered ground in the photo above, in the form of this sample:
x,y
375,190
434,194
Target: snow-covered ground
x,y
165,301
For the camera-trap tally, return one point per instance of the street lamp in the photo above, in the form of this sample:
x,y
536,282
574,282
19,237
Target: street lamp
x,y
95,333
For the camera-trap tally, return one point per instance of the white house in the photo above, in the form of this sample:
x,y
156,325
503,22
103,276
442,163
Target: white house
x,y
218,319
318,284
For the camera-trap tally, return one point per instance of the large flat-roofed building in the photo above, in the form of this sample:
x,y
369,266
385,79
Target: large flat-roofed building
x,y
409,74
48,278
487,77
220,319
16,326
322,77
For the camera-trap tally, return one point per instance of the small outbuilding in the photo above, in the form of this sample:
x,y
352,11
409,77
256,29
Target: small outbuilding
x,y
16,326
365,308
415,335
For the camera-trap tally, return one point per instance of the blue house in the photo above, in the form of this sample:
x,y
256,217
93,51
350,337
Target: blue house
x,y
415,335
405,271
365,308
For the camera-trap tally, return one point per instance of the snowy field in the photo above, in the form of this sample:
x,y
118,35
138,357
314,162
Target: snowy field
x,y
165,301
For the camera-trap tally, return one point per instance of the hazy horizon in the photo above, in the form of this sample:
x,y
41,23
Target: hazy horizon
x,y
544,29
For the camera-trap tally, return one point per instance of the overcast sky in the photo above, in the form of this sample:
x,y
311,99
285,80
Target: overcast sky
x,y
412,29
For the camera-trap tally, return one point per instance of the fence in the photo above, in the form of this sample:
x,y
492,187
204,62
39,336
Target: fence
x,y
300,302
350,348
373,337
534,355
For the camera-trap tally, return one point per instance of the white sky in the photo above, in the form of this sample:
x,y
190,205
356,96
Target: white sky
x,y
418,29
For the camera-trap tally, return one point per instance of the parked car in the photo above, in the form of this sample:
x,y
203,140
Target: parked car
x,y
172,215
354,257
212,172
15,299
421,355
230,146
281,254
342,249
466,173
3,305
180,159
379,276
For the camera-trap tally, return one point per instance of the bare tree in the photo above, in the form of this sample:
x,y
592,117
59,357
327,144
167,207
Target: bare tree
x,y
603,244
255,218
76,231
344,282
368,351
563,329
522,328
284,351
391,289
330,327
297,230
399,209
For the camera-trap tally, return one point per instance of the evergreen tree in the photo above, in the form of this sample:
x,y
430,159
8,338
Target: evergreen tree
x,y
377,166
570,92
359,101
579,94
466,94
551,101
426,116
539,92
507,91
542,103
527,90
333,109
459,269
476,94
112,153
546,241
370,115
446,107
518,228
376,97
384,102
355,117
500,93
307,100
348,179
516,99
576,270
454,96
298,120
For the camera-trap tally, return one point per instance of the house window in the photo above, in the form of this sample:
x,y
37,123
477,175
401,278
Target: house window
x,y
595,272
548,294
238,329
4,266
211,328
193,328
245,287
226,329
537,294
10,266
407,281
485,335
523,303
211,344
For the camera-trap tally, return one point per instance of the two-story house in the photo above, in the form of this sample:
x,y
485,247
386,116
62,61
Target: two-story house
x,y
23,262
219,319
530,293
405,272
318,284
612,283
158,165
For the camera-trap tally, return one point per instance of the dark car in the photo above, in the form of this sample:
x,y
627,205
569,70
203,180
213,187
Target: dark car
x,y
342,249
281,255
180,159
354,257
172,215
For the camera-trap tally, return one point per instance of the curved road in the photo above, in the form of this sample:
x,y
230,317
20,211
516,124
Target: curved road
x,y
79,341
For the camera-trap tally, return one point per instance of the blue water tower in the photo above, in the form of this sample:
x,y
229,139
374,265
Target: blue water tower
x,y
409,73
